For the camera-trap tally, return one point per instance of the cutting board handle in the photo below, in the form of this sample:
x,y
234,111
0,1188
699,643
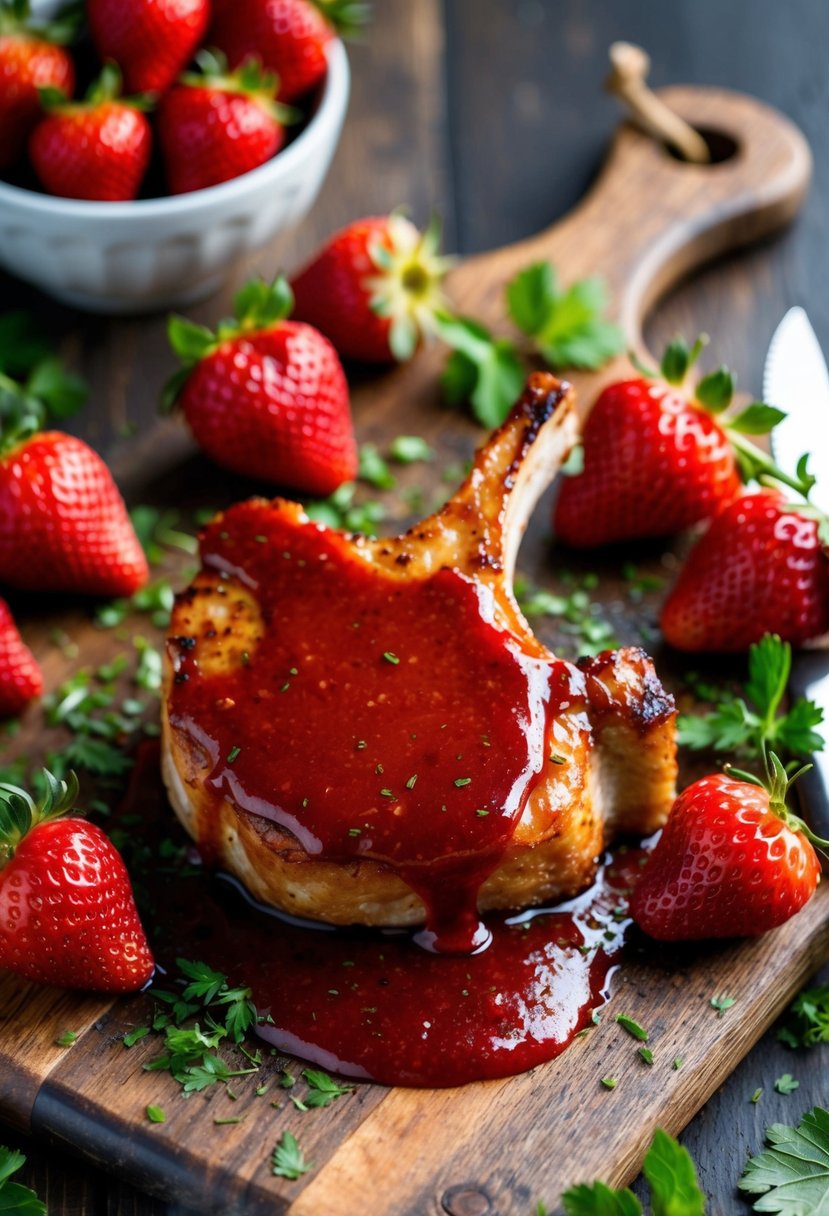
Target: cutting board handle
x,y
650,218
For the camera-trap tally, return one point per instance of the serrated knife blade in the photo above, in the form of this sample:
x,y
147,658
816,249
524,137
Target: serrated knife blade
x,y
796,379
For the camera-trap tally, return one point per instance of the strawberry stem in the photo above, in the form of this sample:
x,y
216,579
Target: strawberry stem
x,y
777,783
19,813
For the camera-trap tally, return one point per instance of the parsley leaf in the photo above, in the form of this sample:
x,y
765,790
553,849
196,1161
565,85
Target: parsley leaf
x,y
374,469
792,1174
341,512
722,1003
753,724
409,449
288,1160
482,370
576,612
670,1173
16,1199
156,1114
566,325
627,1023
324,1089
786,1084
808,1019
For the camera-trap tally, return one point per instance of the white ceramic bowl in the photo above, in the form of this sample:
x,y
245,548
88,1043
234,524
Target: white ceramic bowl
x,y
166,252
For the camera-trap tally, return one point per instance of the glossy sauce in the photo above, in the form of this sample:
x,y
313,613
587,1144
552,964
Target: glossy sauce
x,y
373,1005
379,717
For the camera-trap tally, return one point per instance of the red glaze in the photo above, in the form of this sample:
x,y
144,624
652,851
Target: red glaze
x,y
725,866
98,151
376,746
759,568
209,135
63,524
20,676
654,464
27,63
356,1001
150,40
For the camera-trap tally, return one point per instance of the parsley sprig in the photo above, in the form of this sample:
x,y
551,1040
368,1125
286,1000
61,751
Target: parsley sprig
x,y
753,723
14,1197
671,1176
288,1160
792,1174
807,1022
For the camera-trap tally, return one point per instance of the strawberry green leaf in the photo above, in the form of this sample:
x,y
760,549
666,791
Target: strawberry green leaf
x,y
188,340
61,392
260,304
715,390
756,419
679,358
792,1174
597,1199
348,17
673,1180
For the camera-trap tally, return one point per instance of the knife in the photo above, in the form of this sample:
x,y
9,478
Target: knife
x,y
796,380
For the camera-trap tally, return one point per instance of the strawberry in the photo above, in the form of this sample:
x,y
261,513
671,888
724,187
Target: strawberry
x,y
31,58
374,288
290,36
732,861
761,567
20,676
218,125
655,460
152,41
67,913
265,396
63,524
95,149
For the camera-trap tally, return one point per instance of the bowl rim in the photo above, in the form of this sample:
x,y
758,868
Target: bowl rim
x,y
332,104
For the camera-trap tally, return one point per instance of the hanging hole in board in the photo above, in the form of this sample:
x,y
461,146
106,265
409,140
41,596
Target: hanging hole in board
x,y
722,147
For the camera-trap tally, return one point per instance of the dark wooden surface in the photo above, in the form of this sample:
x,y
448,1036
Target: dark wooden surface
x,y
493,113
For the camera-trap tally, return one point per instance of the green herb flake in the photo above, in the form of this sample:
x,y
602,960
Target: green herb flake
x,y
722,1003
132,1036
288,1160
66,1039
632,1027
228,1121
610,1082
156,1114
391,658
410,784
409,449
386,793
786,1084
646,1054
677,1064
461,781
233,753
756,1096
481,812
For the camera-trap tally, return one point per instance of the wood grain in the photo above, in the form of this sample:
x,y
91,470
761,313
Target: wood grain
x,y
429,1142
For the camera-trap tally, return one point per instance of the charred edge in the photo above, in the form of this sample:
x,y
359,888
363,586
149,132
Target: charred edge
x,y
652,706
542,396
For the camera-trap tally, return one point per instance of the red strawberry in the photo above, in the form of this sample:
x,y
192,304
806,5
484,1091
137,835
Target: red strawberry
x,y
95,149
655,461
374,288
289,36
67,914
732,861
152,41
20,676
63,524
30,59
761,567
266,397
217,126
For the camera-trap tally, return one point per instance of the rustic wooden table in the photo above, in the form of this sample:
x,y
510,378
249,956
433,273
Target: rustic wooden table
x,y
493,114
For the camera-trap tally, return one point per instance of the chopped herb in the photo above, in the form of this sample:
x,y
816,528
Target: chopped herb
x,y
408,449
340,511
610,1082
632,1027
646,1054
373,468
410,784
786,1084
390,658
722,1003
287,1080
132,1036
808,1019
577,614
156,1114
261,1089
386,793
233,753
556,759
323,1090
460,781
355,831
756,1096
677,1064
66,1039
288,1160
753,724
481,812
226,1122
361,745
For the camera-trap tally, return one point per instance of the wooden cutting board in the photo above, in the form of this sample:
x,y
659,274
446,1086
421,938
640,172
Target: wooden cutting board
x,y
496,1148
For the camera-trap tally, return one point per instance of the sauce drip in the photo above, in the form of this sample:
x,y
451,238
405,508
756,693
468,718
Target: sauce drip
x,y
371,1005
378,717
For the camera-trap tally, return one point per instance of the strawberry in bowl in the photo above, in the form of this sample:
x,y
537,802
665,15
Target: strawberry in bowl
x,y
32,57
